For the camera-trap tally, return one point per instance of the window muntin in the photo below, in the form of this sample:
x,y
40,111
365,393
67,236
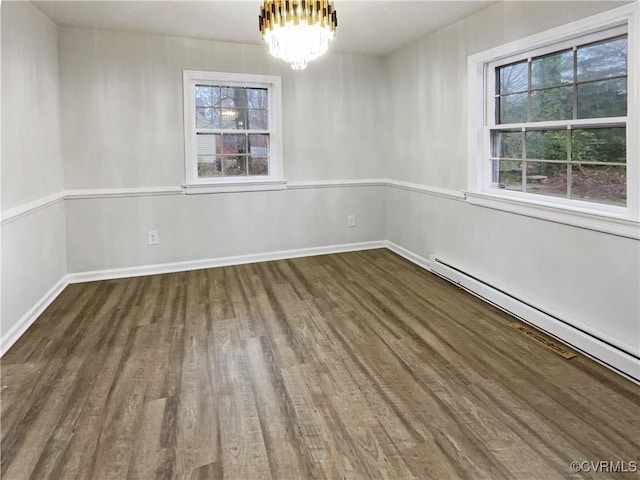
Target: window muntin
x,y
558,122
232,128
232,131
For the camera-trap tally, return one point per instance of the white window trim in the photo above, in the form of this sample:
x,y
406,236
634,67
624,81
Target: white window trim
x,y
275,179
610,219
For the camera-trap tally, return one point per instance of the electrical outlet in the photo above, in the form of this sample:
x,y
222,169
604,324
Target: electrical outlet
x,y
351,221
152,237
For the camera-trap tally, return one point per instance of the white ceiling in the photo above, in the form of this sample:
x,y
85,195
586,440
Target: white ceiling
x,y
364,27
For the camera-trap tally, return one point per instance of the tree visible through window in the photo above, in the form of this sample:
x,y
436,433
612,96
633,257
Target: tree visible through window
x,y
233,131
559,123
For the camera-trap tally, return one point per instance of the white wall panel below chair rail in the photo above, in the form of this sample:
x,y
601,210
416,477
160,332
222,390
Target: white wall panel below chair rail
x,y
33,261
112,232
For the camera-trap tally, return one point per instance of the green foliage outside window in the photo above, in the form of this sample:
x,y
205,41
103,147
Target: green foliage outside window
x,y
583,83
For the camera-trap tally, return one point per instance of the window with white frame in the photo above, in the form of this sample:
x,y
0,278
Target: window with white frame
x,y
556,122
558,119
232,129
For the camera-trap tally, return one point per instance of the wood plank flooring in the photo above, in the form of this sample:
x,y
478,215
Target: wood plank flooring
x,y
357,365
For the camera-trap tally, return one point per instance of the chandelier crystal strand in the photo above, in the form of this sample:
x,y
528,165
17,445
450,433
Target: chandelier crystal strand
x,y
297,31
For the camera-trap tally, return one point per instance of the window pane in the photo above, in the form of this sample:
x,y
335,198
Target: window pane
x,y
599,144
203,95
257,120
207,96
513,78
209,167
207,117
507,174
259,145
547,144
547,178
599,183
234,165
507,144
233,118
552,104
602,60
257,98
240,97
208,144
607,98
258,165
552,70
241,119
226,100
227,109
227,95
234,143
233,97
513,108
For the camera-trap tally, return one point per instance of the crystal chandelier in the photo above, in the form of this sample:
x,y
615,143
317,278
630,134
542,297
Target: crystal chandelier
x,y
297,31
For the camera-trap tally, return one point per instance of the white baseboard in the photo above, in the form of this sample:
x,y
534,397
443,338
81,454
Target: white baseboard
x,y
15,332
596,345
219,262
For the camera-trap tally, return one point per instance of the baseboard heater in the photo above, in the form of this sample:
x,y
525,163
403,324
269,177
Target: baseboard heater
x,y
612,356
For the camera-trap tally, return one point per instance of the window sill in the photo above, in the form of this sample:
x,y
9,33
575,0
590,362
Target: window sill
x,y
613,222
235,186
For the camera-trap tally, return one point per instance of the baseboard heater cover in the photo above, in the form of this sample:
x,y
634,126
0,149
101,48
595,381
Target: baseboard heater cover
x,y
612,356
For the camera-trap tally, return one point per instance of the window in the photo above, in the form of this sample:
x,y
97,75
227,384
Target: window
x,y
554,120
232,132
558,123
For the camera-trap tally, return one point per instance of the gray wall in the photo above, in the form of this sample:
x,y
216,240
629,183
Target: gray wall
x,y
107,233
588,278
122,108
33,246
111,102
121,97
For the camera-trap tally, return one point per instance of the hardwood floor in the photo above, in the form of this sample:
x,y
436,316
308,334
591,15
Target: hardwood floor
x,y
357,365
